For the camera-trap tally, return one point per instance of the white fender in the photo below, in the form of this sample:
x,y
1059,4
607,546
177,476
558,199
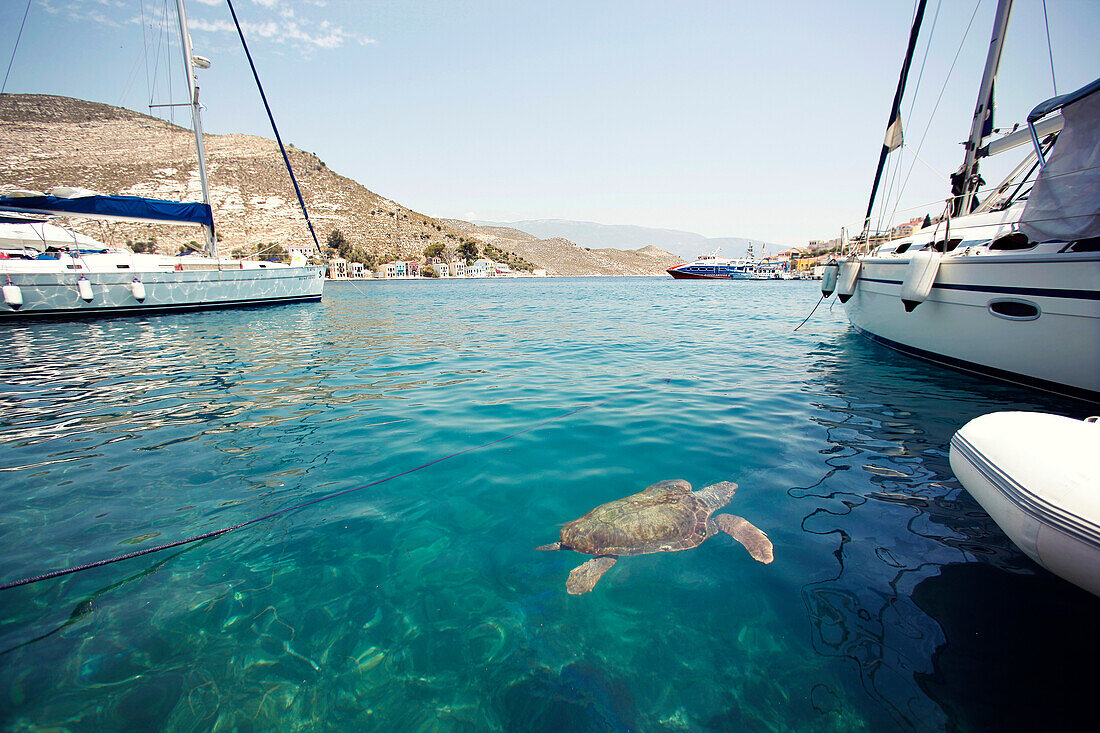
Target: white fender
x,y
828,278
919,277
846,281
13,296
84,287
137,287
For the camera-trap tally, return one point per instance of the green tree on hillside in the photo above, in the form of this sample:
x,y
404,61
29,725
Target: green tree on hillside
x,y
337,241
275,252
468,250
435,249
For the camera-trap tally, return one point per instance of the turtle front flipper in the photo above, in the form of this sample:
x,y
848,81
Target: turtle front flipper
x,y
740,529
584,577
549,548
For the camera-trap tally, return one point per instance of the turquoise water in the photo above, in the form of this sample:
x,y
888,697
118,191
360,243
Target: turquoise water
x,y
419,603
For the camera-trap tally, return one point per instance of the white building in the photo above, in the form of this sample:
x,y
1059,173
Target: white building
x,y
338,268
440,268
357,269
487,268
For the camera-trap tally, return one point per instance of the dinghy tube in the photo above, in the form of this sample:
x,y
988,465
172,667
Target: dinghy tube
x,y
846,281
1036,475
920,275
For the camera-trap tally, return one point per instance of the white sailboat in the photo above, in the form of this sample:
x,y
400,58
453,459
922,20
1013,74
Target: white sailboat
x,y
46,271
1007,287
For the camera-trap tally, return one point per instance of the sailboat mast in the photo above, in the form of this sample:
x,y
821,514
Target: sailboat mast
x,y
196,116
893,127
966,182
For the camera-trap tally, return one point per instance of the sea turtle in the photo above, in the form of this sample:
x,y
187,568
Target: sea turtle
x,y
666,517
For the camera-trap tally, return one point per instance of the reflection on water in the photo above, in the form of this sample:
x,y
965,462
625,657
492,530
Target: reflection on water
x,y
420,604
947,622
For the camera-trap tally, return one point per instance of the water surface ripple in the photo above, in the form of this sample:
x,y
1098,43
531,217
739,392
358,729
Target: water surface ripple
x,y
894,602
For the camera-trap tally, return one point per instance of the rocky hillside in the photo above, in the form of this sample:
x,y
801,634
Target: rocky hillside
x,y
47,141
563,257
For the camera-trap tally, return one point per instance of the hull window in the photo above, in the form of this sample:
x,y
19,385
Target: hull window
x,y
1014,310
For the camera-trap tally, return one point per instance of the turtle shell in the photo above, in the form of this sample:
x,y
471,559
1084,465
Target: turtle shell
x,y
666,517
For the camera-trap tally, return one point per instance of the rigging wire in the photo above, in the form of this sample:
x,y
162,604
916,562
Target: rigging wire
x,y
1050,49
929,166
16,47
993,189
924,61
145,50
274,128
912,105
935,107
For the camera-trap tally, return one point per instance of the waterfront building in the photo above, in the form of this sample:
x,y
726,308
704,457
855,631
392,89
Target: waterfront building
x,y
392,270
338,268
483,268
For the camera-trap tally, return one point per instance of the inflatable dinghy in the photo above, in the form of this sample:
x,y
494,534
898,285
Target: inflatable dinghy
x,y
1038,476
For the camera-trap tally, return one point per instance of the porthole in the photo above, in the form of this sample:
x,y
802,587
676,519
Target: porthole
x,y
1014,310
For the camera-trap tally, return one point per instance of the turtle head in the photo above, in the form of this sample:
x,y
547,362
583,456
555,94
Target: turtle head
x,y
718,495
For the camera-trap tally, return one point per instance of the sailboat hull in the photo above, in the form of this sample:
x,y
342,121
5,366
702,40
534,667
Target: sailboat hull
x,y
1031,320
56,294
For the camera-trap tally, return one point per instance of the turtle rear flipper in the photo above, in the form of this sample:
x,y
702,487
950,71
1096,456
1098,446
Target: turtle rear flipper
x,y
740,529
584,577
549,548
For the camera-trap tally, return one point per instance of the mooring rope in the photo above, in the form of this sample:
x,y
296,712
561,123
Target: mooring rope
x,y
311,502
811,313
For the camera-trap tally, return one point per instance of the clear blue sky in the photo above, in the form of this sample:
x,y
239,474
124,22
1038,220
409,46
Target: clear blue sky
x,y
726,118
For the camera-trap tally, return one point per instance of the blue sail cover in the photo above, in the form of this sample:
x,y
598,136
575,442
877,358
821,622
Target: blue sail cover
x,y
112,207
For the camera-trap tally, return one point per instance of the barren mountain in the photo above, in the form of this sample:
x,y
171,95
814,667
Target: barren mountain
x,y
563,257
47,141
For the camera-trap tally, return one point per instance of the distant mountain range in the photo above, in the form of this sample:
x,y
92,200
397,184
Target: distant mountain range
x,y
686,245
